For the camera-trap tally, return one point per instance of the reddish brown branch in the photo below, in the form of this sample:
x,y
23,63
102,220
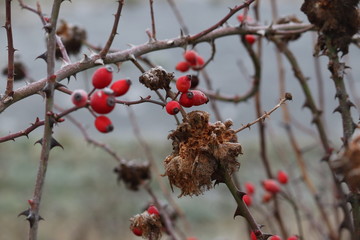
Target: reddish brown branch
x,y
221,22
11,50
142,100
153,33
113,33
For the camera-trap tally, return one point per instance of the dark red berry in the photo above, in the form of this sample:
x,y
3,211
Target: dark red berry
x,y
190,57
282,177
102,77
101,102
120,87
275,237
183,83
137,231
250,39
194,81
253,236
79,98
250,188
247,200
182,66
199,98
103,124
271,186
186,99
153,210
172,107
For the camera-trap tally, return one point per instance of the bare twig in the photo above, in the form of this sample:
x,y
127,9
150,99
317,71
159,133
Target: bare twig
x,y
266,114
11,50
221,22
113,33
153,33
47,137
142,100
178,16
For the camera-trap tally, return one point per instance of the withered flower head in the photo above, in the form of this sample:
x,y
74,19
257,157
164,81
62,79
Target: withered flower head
x,y
156,78
347,163
202,151
72,37
133,174
336,20
20,71
149,224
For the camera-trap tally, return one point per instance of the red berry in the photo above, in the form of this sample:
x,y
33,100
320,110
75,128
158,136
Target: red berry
x,y
153,210
120,87
250,188
190,57
101,102
103,124
267,197
240,18
186,99
271,185
282,177
253,236
250,39
182,66
199,61
293,238
173,107
183,83
247,200
274,237
79,98
102,77
199,98
137,231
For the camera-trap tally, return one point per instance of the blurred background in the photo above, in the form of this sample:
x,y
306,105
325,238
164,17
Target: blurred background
x,y
82,199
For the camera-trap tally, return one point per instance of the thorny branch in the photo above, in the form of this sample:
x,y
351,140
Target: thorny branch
x,y
266,114
11,51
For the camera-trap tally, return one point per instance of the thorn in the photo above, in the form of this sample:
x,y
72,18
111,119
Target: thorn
x,y
338,109
85,59
99,61
58,85
53,143
306,105
238,212
350,104
42,56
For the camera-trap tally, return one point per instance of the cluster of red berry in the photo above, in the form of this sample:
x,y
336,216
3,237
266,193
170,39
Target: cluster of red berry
x,y
270,186
250,38
192,60
102,100
188,98
152,210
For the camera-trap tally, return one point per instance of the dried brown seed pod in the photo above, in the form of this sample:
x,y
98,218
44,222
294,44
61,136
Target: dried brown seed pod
x,y
149,224
72,37
347,163
156,78
133,174
201,152
336,20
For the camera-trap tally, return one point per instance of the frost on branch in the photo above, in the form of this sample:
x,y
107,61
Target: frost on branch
x,y
201,152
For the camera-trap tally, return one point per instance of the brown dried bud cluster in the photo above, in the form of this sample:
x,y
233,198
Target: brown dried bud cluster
x,y
156,78
133,174
148,224
336,20
347,163
72,37
202,151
